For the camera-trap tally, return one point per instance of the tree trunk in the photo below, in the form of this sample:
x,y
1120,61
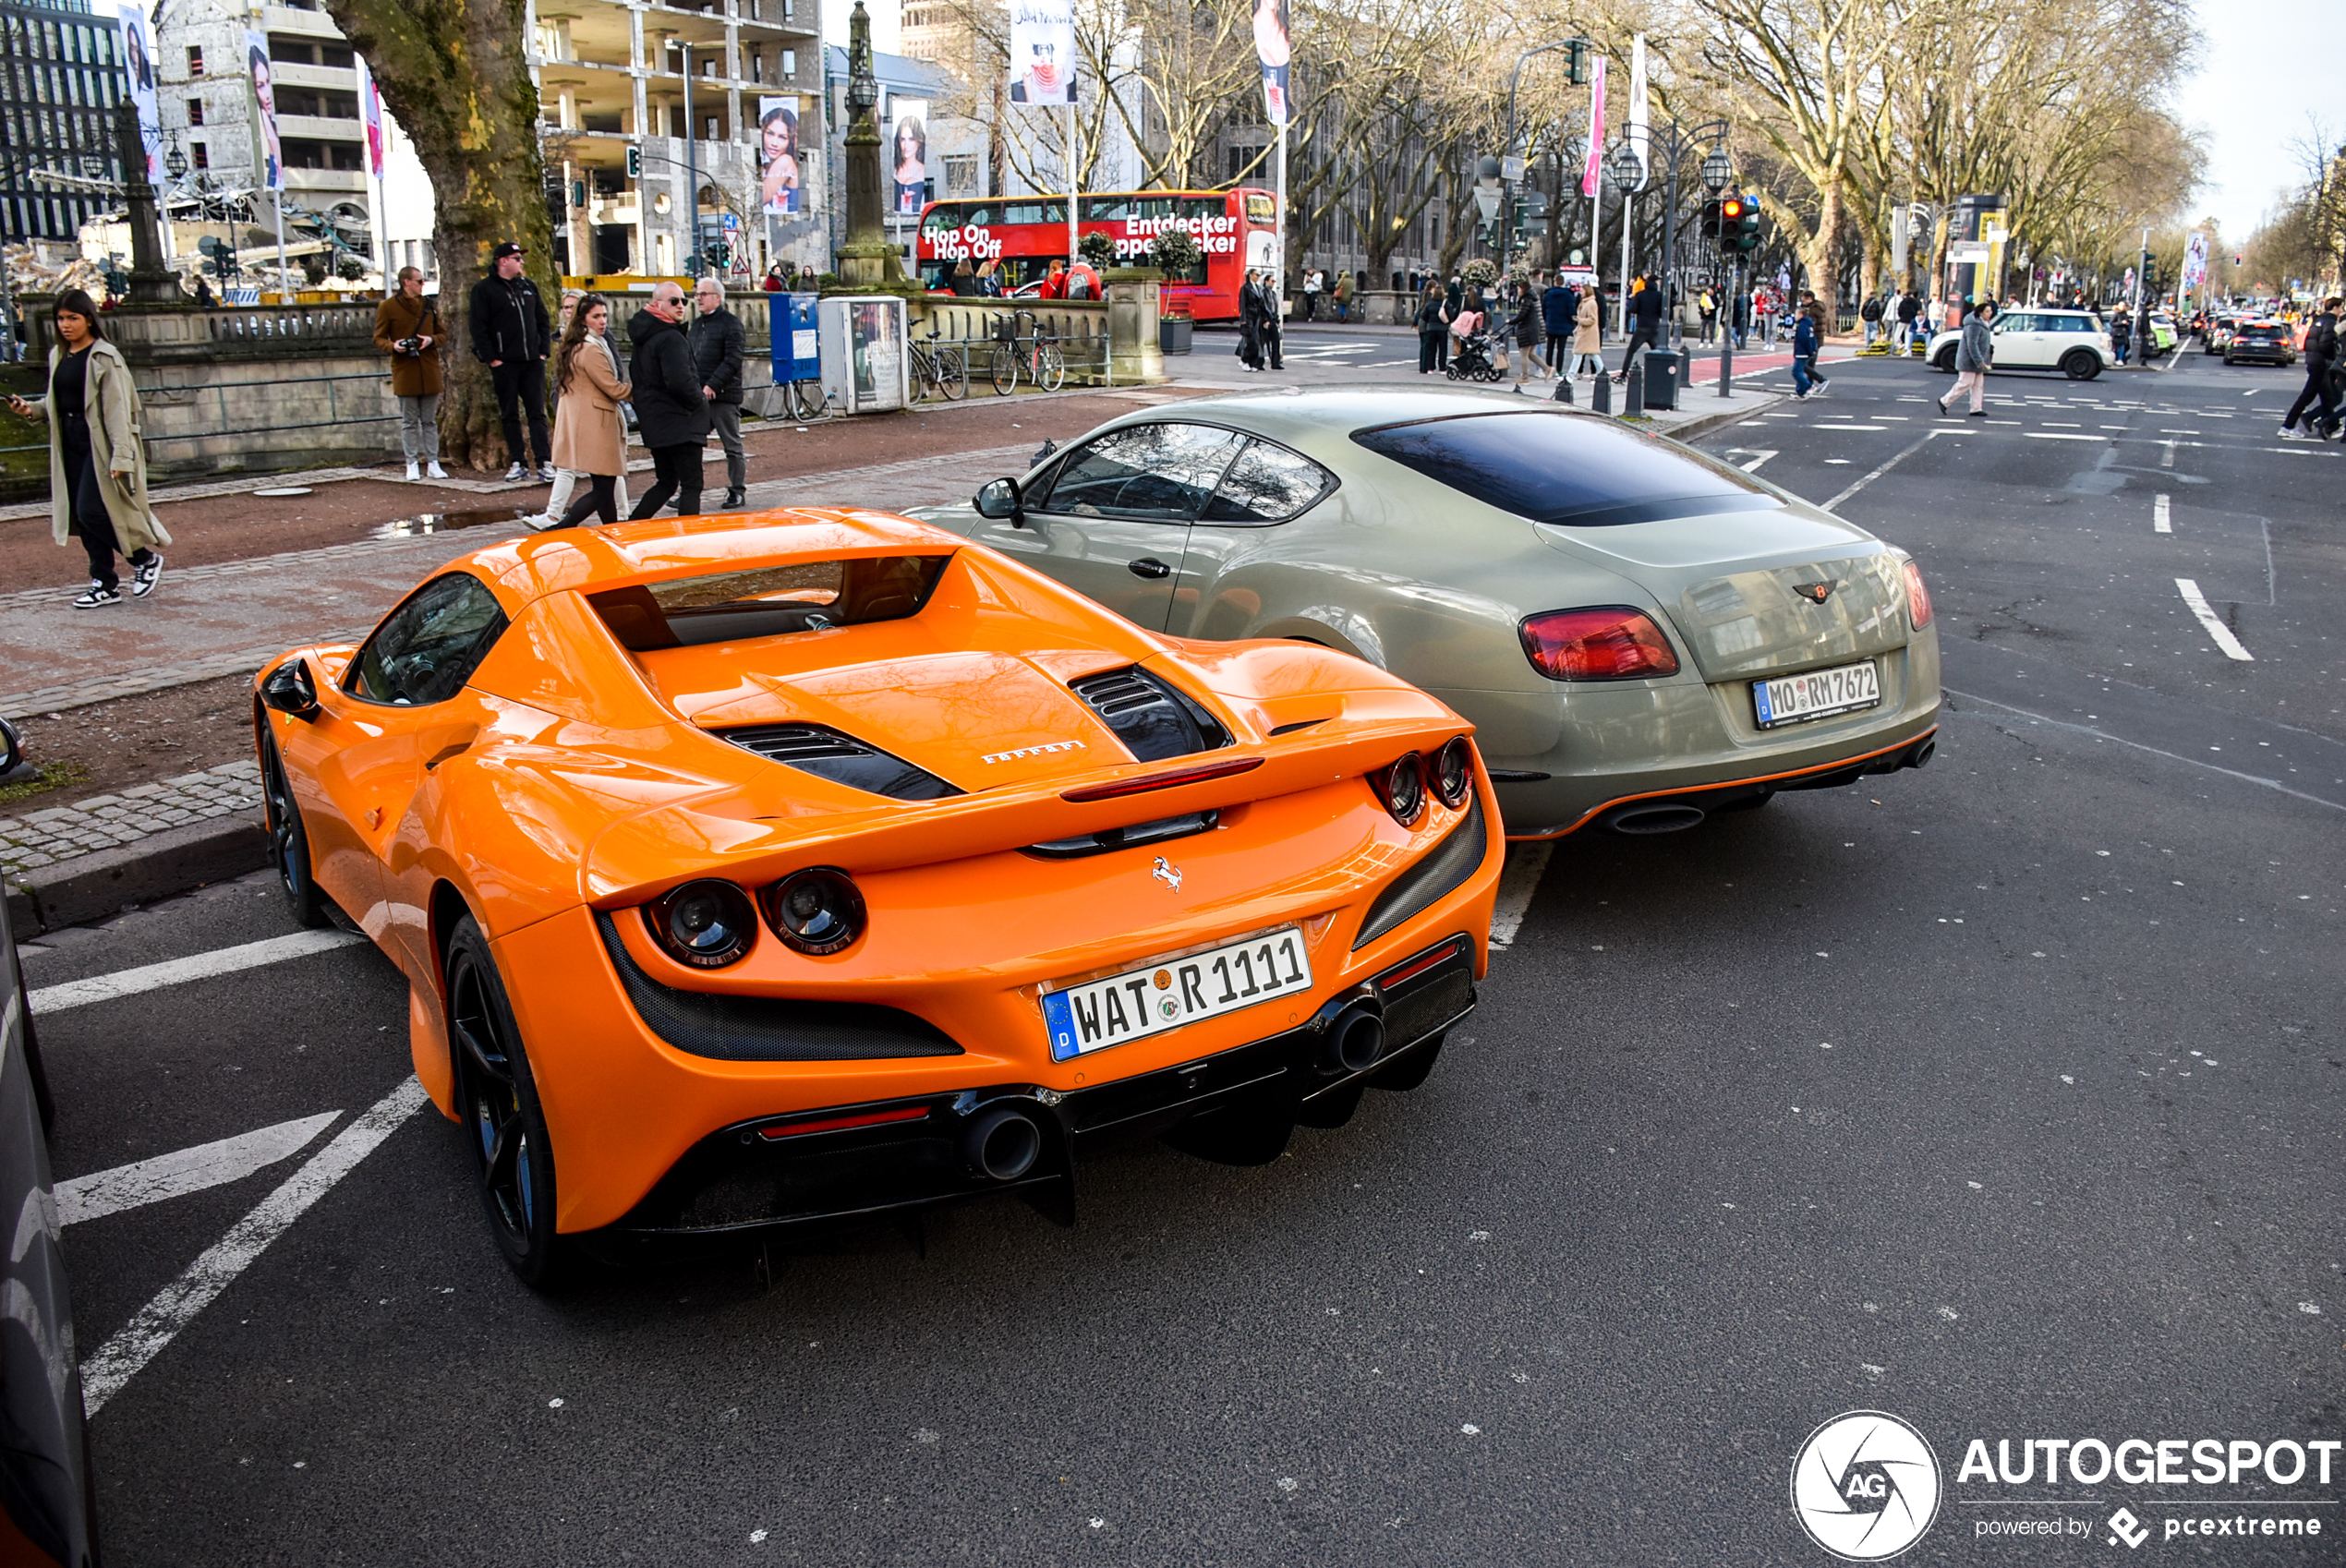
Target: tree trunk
x,y
1821,253
456,76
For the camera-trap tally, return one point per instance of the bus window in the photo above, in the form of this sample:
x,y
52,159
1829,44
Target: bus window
x,y
1106,208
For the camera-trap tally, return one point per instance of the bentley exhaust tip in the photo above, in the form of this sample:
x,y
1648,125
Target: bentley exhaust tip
x,y
1356,1040
1002,1144
1657,816
1920,756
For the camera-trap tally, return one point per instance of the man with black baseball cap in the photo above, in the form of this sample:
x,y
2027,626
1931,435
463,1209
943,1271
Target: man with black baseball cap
x,y
512,335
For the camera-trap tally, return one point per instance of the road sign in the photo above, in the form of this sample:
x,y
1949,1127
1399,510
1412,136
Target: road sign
x,y
1973,251
1511,170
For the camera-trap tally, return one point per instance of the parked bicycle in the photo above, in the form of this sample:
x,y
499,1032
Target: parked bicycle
x,y
940,367
1033,355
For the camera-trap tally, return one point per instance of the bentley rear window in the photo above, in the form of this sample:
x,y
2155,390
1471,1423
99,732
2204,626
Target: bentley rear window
x,y
1575,473
769,601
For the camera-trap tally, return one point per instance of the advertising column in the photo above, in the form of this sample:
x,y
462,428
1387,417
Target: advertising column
x,y
138,86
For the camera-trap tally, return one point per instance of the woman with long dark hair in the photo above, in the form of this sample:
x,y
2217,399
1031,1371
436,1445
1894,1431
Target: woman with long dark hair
x,y
778,151
589,436
912,164
97,464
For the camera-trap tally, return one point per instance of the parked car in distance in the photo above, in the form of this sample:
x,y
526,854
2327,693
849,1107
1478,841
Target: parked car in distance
x,y
2218,333
2072,341
1642,633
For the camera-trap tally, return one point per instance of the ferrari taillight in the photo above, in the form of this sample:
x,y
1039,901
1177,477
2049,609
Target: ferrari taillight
x,y
1608,643
706,924
1917,597
818,911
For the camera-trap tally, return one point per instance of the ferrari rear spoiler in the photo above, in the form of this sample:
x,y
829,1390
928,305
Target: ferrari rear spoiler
x,y
732,832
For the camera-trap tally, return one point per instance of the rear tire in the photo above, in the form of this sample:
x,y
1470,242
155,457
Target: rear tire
x,y
1005,370
2079,365
497,1106
288,840
1944,360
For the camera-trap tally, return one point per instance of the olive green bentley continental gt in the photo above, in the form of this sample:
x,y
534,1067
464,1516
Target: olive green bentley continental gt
x,y
1641,633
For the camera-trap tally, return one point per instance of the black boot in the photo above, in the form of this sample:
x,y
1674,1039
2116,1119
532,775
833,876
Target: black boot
x,y
735,500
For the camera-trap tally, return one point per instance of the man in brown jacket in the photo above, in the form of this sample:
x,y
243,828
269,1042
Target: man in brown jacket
x,y
407,328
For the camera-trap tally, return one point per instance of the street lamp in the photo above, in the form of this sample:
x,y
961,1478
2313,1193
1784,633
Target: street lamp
x,y
174,162
1576,51
1716,171
1628,170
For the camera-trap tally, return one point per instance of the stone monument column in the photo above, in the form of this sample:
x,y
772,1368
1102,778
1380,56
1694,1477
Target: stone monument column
x,y
867,262
152,283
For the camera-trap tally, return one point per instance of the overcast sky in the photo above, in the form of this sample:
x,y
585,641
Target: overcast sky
x,y
2250,96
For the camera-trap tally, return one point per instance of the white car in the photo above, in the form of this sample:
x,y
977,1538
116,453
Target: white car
x,y
2072,341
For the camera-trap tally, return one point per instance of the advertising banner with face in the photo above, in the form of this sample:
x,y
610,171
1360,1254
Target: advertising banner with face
x,y
1043,51
268,147
139,83
777,155
1273,47
908,154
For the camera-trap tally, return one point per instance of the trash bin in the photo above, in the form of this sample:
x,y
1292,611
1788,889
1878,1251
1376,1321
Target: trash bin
x,y
1662,378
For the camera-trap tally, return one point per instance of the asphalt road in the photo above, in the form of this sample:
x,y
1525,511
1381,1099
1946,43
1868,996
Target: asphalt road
x,y
2003,1096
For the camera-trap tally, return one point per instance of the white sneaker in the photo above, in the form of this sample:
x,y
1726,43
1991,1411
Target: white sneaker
x,y
517,472
414,472
144,578
2288,434
434,470
539,522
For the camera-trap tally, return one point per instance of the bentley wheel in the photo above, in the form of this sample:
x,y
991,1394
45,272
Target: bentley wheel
x,y
497,1103
288,843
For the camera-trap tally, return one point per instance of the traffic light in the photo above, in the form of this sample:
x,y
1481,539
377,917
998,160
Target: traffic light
x,y
718,255
1713,217
1740,218
1576,54
634,162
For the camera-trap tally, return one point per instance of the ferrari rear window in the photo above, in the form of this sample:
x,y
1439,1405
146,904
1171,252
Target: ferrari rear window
x,y
1571,472
768,601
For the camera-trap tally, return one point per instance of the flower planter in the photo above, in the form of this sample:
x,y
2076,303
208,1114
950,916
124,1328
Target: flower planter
x,y
1173,333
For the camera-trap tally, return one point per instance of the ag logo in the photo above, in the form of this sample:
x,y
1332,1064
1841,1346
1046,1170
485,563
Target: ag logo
x,y
1865,1486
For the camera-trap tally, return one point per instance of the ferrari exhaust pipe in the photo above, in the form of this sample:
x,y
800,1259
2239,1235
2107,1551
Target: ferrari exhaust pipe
x,y
1002,1144
1653,816
1355,1039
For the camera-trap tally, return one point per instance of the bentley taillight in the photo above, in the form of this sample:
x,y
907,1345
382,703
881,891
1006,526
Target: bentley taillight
x,y
1609,643
1917,597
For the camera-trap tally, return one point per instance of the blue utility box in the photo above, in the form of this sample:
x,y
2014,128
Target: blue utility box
x,y
798,355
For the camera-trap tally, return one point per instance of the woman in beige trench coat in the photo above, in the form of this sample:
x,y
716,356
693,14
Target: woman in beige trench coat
x,y
97,456
589,436
1586,348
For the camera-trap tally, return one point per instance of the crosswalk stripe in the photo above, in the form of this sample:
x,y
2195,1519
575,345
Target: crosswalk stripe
x,y
186,1170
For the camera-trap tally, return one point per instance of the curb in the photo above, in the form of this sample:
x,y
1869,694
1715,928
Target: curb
x,y
90,887
1694,429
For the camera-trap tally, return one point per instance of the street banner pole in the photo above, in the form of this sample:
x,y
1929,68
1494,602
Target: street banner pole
x,y
1275,48
1592,186
1074,180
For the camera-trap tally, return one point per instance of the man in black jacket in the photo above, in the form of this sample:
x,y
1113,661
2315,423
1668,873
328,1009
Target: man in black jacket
x,y
1645,324
671,408
719,344
2321,357
512,335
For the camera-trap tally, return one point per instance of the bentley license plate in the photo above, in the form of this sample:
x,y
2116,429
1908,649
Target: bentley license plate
x,y
1793,698
1174,992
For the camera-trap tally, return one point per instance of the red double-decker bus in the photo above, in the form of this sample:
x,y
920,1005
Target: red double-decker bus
x,y
1235,229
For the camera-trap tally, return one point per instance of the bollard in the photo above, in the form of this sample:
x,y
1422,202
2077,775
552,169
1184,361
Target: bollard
x,y
1633,400
1600,396
1563,389
1726,365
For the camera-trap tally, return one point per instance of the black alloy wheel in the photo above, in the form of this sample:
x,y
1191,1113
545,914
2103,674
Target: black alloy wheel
x,y
2079,365
497,1104
289,842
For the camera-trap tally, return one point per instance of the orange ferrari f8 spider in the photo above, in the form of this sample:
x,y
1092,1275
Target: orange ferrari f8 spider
x,y
816,867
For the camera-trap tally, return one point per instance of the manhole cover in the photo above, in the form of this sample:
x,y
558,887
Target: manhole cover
x,y
283,491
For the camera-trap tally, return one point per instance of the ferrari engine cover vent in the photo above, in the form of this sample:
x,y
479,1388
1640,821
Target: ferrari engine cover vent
x,y
842,759
1154,719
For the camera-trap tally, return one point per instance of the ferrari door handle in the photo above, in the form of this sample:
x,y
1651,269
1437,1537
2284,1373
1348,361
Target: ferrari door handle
x,y
1149,566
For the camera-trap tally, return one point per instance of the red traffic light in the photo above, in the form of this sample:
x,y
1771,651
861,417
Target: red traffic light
x,y
1731,207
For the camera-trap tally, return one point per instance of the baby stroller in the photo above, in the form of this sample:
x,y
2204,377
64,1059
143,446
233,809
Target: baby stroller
x,y
1471,361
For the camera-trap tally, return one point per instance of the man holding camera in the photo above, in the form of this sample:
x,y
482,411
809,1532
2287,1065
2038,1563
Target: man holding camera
x,y
407,328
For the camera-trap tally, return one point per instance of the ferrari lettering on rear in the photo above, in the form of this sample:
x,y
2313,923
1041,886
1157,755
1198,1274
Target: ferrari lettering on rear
x,y
1044,750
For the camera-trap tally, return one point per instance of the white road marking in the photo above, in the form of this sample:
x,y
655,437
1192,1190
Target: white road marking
x,y
2137,745
177,972
1848,427
2166,458
1758,456
114,1363
2160,521
1878,473
2062,436
189,1170
1517,882
2222,634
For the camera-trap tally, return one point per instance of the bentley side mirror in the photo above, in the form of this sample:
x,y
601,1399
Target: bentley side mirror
x,y
290,689
1000,499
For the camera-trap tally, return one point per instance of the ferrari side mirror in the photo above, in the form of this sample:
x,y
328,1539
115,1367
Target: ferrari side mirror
x,y
1000,499
290,689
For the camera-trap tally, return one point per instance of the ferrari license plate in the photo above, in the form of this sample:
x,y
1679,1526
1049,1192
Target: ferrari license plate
x,y
1821,692
1174,992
